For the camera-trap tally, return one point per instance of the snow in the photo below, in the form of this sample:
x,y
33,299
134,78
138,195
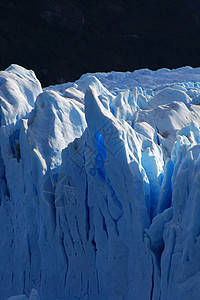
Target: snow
x,y
100,186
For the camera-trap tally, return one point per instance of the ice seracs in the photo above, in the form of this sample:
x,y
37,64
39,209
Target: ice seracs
x,y
19,89
53,124
99,186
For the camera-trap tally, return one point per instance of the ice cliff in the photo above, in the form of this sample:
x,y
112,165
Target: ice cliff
x,y
100,186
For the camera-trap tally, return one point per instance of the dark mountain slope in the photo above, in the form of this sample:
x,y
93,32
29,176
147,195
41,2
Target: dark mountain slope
x,y
60,39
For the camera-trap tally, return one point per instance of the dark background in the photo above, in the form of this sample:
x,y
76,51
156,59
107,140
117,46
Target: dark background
x,y
60,40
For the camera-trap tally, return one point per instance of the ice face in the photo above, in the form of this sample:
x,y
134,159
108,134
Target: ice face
x,y
99,186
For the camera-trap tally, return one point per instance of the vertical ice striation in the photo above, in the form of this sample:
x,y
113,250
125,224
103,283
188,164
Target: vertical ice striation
x,y
100,186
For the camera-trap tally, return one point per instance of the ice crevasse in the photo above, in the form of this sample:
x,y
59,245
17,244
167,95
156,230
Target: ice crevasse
x,y
100,186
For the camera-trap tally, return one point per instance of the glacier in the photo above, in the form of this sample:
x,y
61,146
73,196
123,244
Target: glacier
x,y
100,186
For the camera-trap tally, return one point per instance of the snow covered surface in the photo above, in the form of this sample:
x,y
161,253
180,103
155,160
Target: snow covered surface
x,y
100,186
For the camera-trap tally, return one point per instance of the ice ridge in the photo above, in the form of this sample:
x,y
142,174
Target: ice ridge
x,y
100,186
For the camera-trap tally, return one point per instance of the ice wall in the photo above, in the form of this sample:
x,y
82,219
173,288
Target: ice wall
x,y
99,184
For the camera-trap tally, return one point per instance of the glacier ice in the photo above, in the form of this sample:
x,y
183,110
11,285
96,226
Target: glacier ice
x,y
100,186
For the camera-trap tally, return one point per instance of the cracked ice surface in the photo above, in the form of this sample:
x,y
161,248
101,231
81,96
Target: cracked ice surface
x,y
100,186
